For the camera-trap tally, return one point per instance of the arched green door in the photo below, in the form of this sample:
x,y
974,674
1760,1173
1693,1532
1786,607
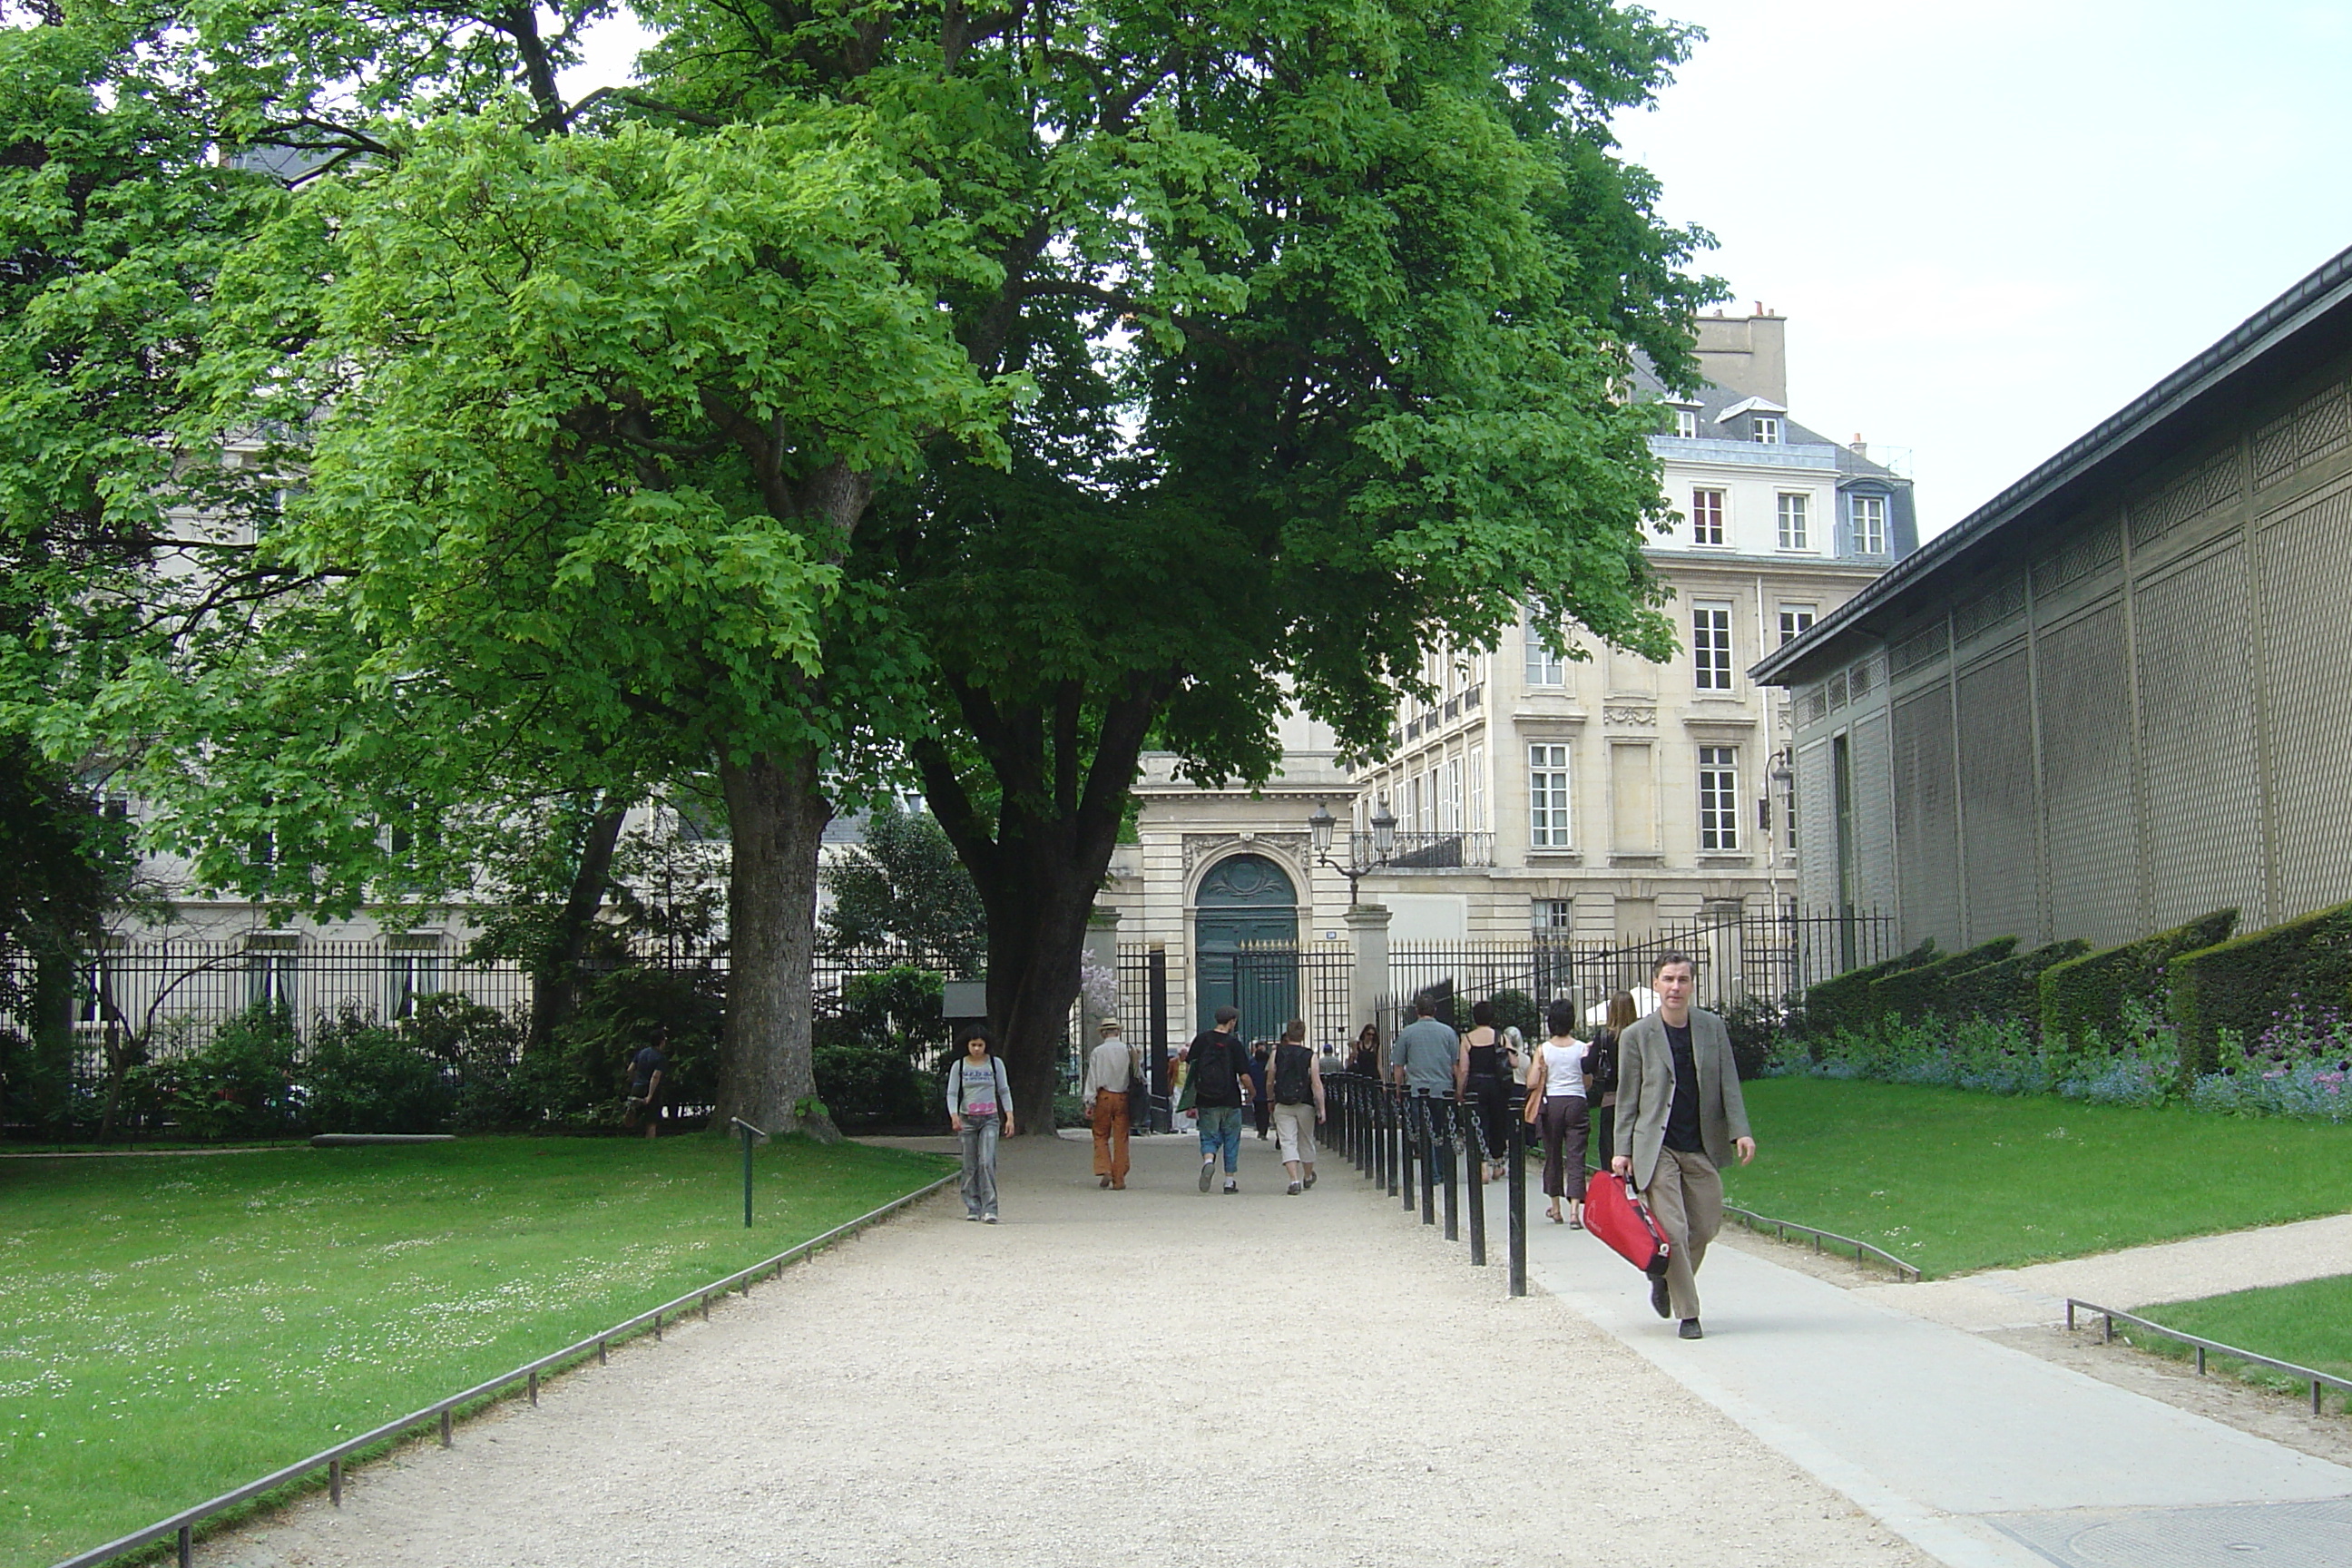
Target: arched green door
x,y
1245,945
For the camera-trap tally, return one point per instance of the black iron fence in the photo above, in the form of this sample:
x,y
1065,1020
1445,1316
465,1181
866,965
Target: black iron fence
x,y
1748,961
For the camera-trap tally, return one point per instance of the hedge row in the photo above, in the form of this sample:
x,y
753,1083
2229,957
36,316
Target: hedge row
x,y
1912,993
2010,988
2088,992
2250,983
1842,1002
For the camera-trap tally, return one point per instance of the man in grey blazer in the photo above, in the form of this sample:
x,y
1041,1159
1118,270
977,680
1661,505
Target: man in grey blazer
x,y
1679,1118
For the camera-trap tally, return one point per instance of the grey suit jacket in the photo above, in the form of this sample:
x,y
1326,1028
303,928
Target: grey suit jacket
x,y
1646,1091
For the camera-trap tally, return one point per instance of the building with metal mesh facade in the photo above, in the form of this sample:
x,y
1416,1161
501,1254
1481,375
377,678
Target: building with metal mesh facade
x,y
2113,698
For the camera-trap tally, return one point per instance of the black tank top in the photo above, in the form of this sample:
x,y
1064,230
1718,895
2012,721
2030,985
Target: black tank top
x,y
1485,1061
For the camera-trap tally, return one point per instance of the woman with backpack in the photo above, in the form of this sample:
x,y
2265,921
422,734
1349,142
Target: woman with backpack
x,y
1295,1078
980,1102
1624,1014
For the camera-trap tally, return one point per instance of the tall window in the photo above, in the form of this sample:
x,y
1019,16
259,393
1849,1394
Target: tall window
x,y
1711,646
1449,797
1543,664
1794,516
1767,429
1411,823
1476,821
1718,797
1686,424
271,967
1547,797
414,969
1427,815
1795,621
1555,917
1870,525
1706,517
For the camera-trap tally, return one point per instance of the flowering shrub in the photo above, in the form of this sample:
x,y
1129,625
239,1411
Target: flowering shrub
x,y
2300,1066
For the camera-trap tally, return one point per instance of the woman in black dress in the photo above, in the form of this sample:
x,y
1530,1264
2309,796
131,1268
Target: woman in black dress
x,y
1480,1078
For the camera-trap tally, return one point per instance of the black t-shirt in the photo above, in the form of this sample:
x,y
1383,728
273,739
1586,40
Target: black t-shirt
x,y
642,1068
1682,1121
1215,1065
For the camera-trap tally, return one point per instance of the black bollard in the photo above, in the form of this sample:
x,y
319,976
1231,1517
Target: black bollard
x,y
1474,1171
1426,1154
1452,1156
1518,1203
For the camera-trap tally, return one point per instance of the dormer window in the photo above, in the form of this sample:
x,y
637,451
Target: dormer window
x,y
1687,424
1767,429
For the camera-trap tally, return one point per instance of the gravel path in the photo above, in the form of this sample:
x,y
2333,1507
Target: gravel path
x,y
1146,1376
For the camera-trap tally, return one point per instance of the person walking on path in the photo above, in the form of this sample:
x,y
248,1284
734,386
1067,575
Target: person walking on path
x,y
1111,1098
1425,1058
1681,1118
1600,1066
979,1104
1480,1077
1216,1072
1365,1059
648,1075
1558,1089
1298,1088
1260,1108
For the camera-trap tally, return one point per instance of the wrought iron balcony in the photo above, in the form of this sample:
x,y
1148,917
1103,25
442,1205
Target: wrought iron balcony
x,y
1423,851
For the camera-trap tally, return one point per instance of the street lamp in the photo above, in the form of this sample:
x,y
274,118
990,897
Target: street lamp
x,y
1321,827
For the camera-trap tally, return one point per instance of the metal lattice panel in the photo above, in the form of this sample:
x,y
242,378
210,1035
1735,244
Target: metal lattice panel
x,y
1816,810
1981,615
2210,485
2085,696
1917,650
2306,578
2088,548
1926,820
2319,424
2197,731
1997,815
1874,810
1814,701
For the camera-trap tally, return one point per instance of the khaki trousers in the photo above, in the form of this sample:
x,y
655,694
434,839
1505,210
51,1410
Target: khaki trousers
x,y
1685,1198
1111,1124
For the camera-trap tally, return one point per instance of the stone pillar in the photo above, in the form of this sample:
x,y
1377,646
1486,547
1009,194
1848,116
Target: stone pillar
x,y
1367,971
1102,949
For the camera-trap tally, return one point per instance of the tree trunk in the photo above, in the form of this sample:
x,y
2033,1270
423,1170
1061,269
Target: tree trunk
x,y
555,983
776,812
1036,933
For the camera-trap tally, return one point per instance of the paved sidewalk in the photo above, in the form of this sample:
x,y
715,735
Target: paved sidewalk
x,y
1146,1377
1982,1455
2036,1296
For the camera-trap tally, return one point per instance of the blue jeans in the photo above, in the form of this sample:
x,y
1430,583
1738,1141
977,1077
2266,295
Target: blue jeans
x,y
1221,1128
979,1136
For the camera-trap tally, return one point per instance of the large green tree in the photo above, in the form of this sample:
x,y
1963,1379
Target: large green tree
x,y
1328,307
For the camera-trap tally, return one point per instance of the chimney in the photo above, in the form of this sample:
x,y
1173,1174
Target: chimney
x,y
1746,355
1859,448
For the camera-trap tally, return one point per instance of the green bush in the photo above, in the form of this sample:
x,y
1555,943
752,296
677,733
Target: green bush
x,y
364,1077
2252,985
872,1051
2086,995
1914,993
1757,1036
1518,1010
2008,988
239,1084
582,1077
482,1047
1843,1001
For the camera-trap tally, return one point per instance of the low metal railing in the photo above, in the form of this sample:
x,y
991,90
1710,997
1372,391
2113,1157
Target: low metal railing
x,y
1905,1273
183,1524
2203,1347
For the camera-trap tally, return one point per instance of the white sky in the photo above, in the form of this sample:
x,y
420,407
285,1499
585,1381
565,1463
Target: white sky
x,y
1991,224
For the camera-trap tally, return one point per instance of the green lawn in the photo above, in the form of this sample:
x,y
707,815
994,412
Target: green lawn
x,y
1953,1181
2309,1324
171,1327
